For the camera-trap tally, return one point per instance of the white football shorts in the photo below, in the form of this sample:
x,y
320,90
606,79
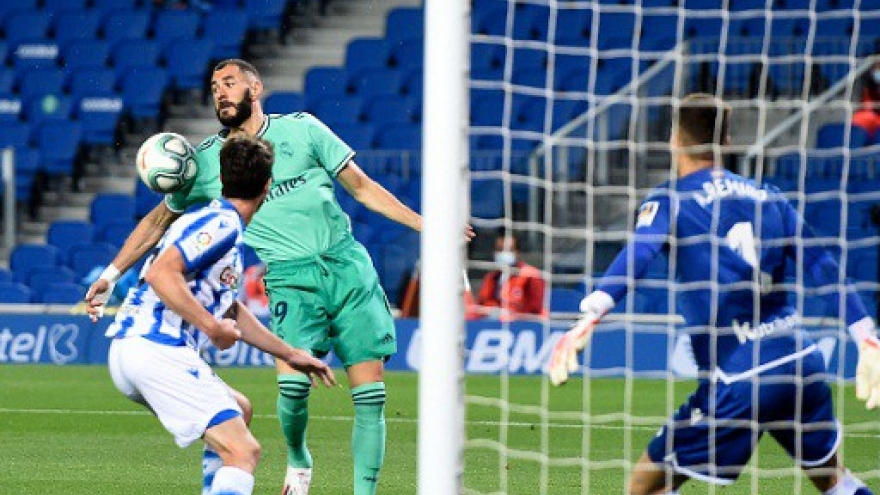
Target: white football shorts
x,y
174,383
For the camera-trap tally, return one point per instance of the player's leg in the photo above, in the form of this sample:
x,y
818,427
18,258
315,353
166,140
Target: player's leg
x,y
211,460
239,452
300,319
368,433
649,478
831,478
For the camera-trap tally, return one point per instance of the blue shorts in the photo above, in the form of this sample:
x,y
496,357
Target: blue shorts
x,y
792,405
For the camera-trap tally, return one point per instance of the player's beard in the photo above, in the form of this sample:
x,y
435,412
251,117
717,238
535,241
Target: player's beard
x,y
243,111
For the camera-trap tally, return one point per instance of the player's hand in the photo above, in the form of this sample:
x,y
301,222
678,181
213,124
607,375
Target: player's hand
x,y
564,359
313,367
97,296
868,372
224,335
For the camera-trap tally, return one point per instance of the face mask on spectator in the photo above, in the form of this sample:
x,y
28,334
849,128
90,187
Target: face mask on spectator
x,y
875,74
505,258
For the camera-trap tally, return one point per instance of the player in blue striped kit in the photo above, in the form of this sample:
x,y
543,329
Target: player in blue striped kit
x,y
186,300
729,243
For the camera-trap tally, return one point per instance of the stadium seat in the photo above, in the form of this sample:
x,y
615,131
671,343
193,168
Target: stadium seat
x,y
27,164
324,81
565,300
76,25
14,293
573,27
85,257
371,83
61,293
124,23
47,107
531,22
367,53
359,136
26,257
64,234
85,54
7,8
284,102
6,276
99,115
487,199
397,263
491,21
135,53
835,135
399,137
265,15
23,25
405,22
111,207
35,53
47,81
59,6
92,80
143,90
58,142
616,30
144,199
227,29
11,108
187,62
413,84
43,276
15,134
109,5
391,110
7,77
334,110
116,232
175,24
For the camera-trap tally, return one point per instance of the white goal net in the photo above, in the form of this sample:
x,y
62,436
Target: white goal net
x,y
570,105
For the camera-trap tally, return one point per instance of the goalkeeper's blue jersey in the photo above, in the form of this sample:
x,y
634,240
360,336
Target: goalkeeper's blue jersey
x,y
208,236
730,244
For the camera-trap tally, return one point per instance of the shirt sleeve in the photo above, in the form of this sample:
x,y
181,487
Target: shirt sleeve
x,y
651,234
205,241
330,151
821,267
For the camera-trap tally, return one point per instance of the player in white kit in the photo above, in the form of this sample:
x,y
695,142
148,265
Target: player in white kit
x,y
186,299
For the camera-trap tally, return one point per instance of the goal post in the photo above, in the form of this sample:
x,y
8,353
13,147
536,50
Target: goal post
x,y
445,211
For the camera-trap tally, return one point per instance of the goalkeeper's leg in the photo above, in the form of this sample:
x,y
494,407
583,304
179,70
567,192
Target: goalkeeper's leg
x,y
368,434
832,478
293,414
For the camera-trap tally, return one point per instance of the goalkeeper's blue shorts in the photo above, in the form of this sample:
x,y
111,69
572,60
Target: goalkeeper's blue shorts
x,y
713,434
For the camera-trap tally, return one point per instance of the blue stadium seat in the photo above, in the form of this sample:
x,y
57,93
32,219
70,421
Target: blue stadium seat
x,y
531,22
143,90
391,110
397,263
63,234
359,136
491,21
413,84
43,276
15,134
38,82
400,137
14,293
325,81
405,22
527,58
565,300
487,199
227,29
86,81
487,108
47,107
173,24
6,8
6,275
573,27
487,61
99,115
11,108
25,257
35,53
367,53
265,15
125,23
61,5
75,25
116,232
108,5
27,164
111,207
377,82
616,30
61,293
834,135
58,142
26,24
144,199
7,79
789,26
334,110
284,102
131,53
187,62
85,54
85,257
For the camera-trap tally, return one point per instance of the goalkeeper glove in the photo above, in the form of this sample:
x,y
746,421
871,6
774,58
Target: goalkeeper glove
x,y
868,369
563,360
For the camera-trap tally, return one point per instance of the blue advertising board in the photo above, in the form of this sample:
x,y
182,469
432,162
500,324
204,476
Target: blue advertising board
x,y
490,346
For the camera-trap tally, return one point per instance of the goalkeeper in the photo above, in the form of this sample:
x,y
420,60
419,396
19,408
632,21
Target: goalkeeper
x,y
759,370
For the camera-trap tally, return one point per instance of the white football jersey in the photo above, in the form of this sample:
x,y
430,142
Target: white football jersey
x,y
208,237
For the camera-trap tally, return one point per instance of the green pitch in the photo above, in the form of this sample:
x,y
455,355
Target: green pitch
x,y
67,430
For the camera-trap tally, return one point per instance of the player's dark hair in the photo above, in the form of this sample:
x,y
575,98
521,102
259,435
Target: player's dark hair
x,y
702,120
242,65
245,166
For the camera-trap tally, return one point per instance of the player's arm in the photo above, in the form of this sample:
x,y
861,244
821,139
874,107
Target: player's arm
x,y
167,277
256,334
651,234
375,197
143,238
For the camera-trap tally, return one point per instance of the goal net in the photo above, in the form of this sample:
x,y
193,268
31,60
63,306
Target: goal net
x,y
570,105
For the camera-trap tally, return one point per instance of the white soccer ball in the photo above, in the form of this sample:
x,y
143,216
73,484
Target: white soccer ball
x,y
166,162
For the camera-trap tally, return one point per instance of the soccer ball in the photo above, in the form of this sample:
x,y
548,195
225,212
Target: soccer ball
x,y
166,162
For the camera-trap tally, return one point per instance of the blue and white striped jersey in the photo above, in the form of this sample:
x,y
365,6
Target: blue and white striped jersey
x,y
730,244
208,236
